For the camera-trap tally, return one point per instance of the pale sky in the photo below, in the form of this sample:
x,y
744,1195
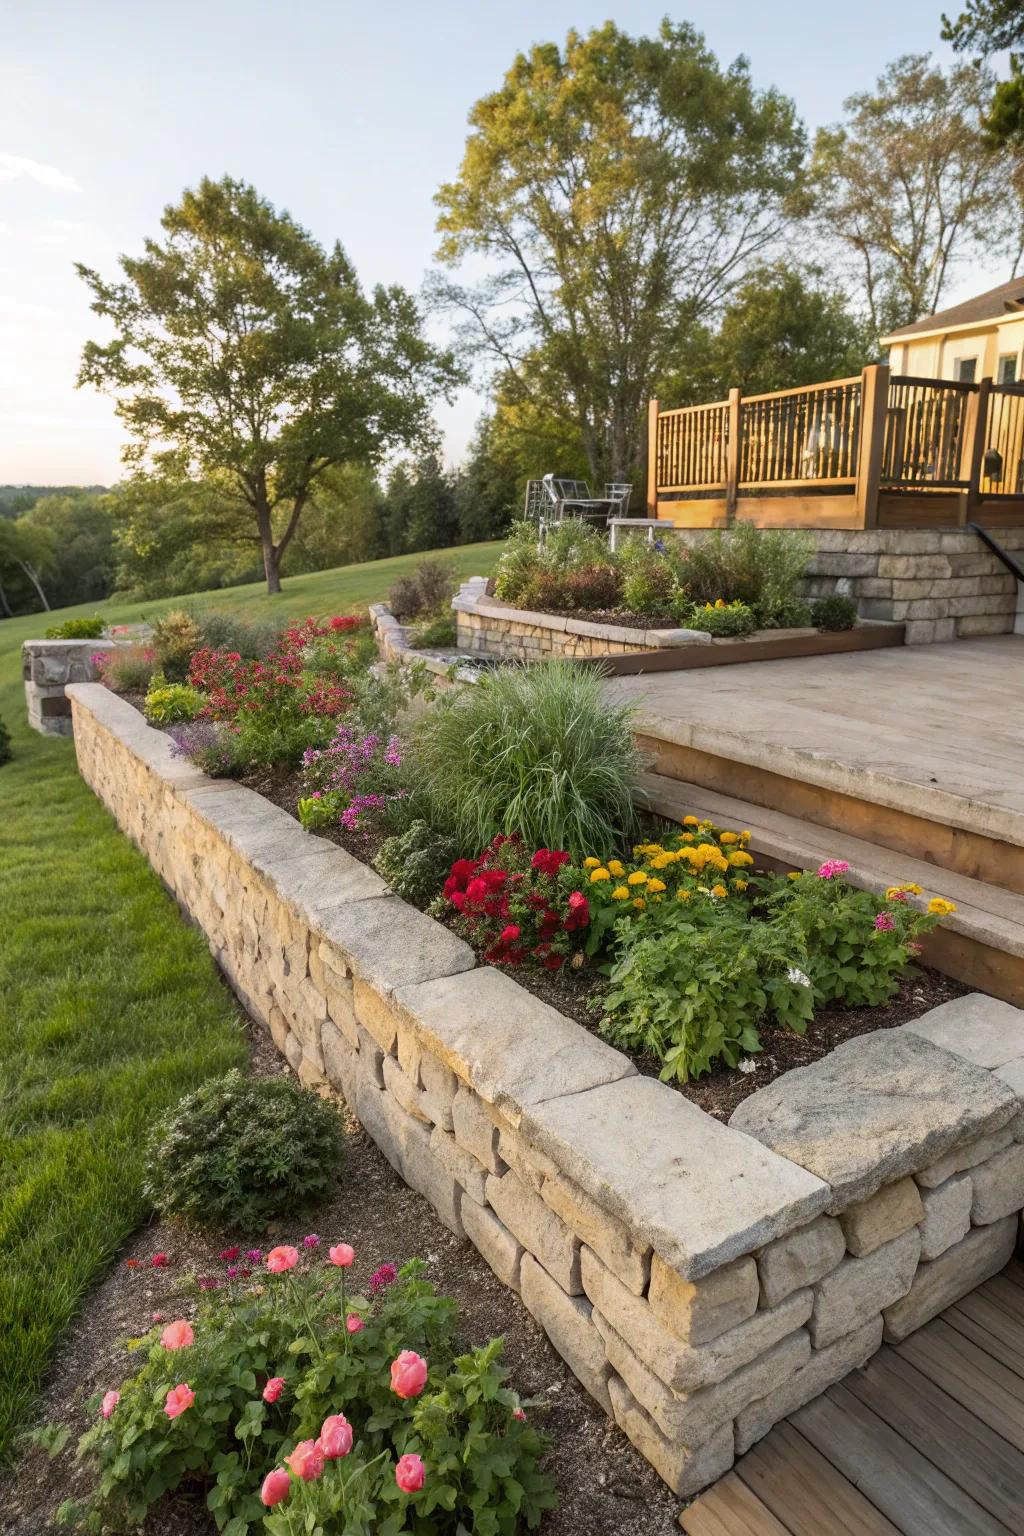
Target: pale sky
x,y
350,115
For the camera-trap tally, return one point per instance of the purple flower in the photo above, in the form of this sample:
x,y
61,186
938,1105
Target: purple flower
x,y
381,1278
208,1283
232,1271
254,1255
884,922
312,1241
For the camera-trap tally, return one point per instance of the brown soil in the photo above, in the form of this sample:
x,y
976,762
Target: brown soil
x,y
605,1486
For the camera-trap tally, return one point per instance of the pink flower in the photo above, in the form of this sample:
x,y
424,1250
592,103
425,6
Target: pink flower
x,y
177,1335
898,895
335,1437
831,868
231,1271
109,1403
178,1399
159,1261
157,1317
410,1473
132,1263
517,1413
282,1258
408,1374
884,922
312,1241
254,1255
354,1323
342,1254
229,1254
382,1278
307,1461
273,1389
276,1486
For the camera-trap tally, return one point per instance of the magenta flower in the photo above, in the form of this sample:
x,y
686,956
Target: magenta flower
x,y
884,922
831,868
254,1255
312,1241
232,1271
381,1278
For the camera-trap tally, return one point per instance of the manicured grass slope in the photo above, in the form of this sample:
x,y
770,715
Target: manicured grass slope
x,y
110,1006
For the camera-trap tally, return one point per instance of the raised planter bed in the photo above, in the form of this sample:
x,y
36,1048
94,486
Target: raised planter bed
x,y
702,1280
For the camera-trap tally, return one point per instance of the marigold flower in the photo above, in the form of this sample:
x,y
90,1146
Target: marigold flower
x,y
636,878
591,863
729,837
178,1399
410,1473
109,1403
616,868
620,893
913,890
599,874
408,1374
940,907
273,1389
276,1486
719,891
740,885
690,821
740,860
341,1254
177,1335
639,903
683,894
654,886
281,1258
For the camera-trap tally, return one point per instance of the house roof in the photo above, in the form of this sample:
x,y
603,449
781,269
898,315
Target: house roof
x,y
993,305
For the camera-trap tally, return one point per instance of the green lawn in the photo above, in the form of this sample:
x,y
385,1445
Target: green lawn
x,y
110,1007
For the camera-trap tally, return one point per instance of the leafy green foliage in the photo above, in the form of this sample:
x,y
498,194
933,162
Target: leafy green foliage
x,y
427,590
77,629
5,742
835,612
415,863
129,668
222,630
480,1451
176,635
438,633
171,703
757,566
725,620
537,751
648,579
240,1151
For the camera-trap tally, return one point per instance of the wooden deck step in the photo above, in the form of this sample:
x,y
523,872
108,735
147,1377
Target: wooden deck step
x,y
982,943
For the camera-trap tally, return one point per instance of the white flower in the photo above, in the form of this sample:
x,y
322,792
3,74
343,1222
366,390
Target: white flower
x,y
747,1065
797,977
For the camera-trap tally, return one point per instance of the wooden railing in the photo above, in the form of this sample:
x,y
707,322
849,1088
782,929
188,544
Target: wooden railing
x,y
833,448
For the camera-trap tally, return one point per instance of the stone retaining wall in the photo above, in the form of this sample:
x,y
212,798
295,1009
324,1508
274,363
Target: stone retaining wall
x,y
701,1280
945,585
47,667
487,627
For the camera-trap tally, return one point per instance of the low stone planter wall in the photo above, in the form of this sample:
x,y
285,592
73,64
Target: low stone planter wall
x,y
487,627
47,667
701,1280
944,584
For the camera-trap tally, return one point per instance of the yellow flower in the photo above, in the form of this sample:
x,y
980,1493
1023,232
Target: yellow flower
x,y
653,886
914,890
636,878
662,861
719,891
591,863
687,837
740,859
683,894
740,885
616,868
720,602
639,903
940,907
744,838
794,874
729,837
599,874
620,893
690,821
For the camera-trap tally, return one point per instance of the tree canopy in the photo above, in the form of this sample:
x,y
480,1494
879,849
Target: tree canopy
x,y
983,28
617,190
248,358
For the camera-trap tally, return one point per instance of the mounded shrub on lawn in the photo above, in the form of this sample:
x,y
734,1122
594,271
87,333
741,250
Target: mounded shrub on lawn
x,y
5,743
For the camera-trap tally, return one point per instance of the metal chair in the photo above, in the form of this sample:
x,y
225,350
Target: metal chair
x,y
618,492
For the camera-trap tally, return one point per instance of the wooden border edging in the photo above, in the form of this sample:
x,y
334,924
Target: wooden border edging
x,y
723,653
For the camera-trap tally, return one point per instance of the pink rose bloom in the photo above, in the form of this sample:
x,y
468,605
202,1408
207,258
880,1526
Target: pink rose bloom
x,y
159,1261
410,1473
354,1323
341,1254
831,868
276,1486
177,1335
408,1374
307,1461
109,1403
273,1389
884,922
335,1437
282,1258
178,1399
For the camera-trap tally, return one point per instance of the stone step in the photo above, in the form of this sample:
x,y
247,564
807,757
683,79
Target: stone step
x,y
981,943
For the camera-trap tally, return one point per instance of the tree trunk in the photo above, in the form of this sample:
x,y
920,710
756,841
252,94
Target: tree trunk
x,y
271,555
4,604
34,579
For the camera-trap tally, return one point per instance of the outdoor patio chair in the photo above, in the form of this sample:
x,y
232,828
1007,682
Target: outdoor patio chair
x,y
618,492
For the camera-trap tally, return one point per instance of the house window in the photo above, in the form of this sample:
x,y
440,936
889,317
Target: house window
x,y
1007,373
965,369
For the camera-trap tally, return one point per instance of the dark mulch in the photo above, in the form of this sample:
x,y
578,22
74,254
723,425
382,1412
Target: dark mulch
x,y
605,1486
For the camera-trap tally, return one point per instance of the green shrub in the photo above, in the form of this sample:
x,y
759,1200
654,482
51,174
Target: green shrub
x,y
793,613
593,587
240,1151
721,619
538,751
416,863
573,544
427,589
5,742
519,562
760,567
480,1449
438,633
222,630
171,703
77,629
835,612
545,591
648,580
176,636
129,668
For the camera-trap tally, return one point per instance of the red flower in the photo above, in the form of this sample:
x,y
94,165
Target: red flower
x,y
547,861
579,912
510,934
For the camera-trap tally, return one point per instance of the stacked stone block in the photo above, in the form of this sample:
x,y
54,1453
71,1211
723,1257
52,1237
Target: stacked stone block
x,y
487,627
47,666
702,1280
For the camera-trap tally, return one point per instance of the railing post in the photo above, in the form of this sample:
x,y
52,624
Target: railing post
x,y
874,399
973,451
652,458
732,458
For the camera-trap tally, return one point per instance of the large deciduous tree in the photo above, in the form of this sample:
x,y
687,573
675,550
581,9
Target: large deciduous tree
x,y
248,357
910,185
615,191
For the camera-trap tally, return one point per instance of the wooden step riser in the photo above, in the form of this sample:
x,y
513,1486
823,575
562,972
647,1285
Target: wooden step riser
x,y
979,966
967,853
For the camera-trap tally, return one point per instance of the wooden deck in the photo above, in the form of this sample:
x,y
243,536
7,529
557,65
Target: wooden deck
x,y
927,1440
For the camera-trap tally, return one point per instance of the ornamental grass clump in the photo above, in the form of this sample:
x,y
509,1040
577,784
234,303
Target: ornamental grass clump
x,y
241,1151
538,751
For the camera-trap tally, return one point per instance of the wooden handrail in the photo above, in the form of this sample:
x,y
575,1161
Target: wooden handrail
x,y
804,389
686,410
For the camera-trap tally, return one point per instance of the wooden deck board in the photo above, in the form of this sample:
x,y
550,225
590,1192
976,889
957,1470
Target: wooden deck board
x,y
927,1440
